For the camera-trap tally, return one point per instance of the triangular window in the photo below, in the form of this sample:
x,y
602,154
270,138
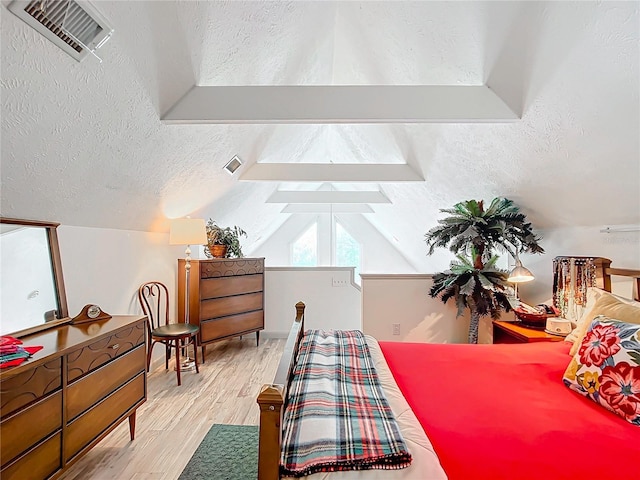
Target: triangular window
x,y
347,251
304,250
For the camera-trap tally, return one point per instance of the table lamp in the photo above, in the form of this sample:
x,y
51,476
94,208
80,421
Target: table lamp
x,y
187,231
519,274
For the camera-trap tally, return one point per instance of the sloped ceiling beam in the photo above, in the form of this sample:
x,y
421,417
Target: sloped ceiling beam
x,y
325,104
320,208
327,197
330,172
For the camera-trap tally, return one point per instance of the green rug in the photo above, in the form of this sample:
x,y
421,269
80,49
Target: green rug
x,y
227,452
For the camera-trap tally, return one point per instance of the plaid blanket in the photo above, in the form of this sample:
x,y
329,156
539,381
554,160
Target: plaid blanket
x,y
337,417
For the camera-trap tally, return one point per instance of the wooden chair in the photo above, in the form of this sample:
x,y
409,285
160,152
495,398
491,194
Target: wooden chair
x,y
154,300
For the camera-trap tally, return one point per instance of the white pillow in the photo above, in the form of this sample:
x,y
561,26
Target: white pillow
x,y
593,294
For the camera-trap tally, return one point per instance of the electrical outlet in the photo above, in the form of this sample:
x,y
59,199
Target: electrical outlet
x,y
336,282
396,329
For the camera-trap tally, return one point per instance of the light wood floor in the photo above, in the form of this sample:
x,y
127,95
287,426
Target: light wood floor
x,y
173,420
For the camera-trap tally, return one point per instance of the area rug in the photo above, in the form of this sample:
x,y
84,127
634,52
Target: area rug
x,y
227,452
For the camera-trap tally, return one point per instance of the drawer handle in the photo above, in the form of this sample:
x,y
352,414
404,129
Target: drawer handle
x,y
115,346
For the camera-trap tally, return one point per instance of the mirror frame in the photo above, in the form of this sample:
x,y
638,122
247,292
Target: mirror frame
x,y
56,270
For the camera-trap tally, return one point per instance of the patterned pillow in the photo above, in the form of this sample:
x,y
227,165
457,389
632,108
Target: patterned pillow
x,y
606,367
611,306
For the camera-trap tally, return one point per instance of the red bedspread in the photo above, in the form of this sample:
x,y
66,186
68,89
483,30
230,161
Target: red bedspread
x,y
501,412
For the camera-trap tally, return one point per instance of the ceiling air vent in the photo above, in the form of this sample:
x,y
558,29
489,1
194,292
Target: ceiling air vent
x,y
75,26
233,165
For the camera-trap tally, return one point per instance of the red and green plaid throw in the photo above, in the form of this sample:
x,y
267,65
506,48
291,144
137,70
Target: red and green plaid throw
x,y
337,416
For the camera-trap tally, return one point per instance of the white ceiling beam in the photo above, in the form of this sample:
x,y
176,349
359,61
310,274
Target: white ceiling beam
x,y
327,197
330,172
321,208
327,104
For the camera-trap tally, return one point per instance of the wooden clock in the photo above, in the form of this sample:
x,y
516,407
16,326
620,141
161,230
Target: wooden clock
x,y
90,313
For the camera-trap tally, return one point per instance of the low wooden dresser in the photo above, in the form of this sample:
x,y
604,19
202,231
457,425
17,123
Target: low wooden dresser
x,y
226,297
57,405
516,332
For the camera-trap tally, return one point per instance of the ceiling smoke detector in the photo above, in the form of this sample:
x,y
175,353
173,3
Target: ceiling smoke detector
x,y
233,165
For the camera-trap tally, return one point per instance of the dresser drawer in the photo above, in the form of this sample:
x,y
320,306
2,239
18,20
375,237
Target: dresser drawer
x,y
90,357
29,386
41,462
88,426
220,307
20,432
231,267
223,287
92,388
231,326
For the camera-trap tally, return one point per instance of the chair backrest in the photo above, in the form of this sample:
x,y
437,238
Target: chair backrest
x,y
154,300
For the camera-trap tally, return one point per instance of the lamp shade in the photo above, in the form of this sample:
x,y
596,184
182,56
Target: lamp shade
x,y
520,274
187,231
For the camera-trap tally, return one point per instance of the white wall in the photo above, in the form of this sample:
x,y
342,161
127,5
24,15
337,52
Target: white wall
x,y
106,267
404,299
327,307
623,249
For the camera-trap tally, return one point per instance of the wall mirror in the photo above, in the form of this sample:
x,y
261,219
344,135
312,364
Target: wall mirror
x,y
32,295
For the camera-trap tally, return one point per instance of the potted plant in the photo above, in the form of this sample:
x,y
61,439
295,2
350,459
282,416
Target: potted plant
x,y
474,234
223,242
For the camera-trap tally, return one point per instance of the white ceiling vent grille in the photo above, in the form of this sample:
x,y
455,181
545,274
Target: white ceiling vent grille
x,y
75,26
233,165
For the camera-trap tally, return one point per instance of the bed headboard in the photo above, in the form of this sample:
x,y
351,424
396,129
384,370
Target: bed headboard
x,y
623,272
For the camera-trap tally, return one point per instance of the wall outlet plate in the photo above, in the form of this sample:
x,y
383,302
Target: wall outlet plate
x,y
337,282
396,329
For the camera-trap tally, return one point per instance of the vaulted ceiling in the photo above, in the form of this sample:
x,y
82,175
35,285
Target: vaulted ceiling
x,y
83,143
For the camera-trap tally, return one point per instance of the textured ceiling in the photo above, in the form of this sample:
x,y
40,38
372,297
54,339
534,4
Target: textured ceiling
x,y
82,143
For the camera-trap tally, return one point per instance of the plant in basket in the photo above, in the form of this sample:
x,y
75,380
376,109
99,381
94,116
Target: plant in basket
x,y
223,242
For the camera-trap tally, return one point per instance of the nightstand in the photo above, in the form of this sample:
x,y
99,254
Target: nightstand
x,y
515,332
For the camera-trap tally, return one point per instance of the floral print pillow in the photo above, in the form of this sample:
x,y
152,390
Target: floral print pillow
x,y
606,367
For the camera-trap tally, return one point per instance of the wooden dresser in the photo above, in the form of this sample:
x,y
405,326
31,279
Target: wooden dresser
x,y
226,297
57,405
516,332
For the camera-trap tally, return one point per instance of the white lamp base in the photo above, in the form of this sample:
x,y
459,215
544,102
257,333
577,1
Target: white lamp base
x,y
187,365
186,362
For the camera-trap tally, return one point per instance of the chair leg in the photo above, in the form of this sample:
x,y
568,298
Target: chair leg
x,y
195,353
167,354
178,360
150,348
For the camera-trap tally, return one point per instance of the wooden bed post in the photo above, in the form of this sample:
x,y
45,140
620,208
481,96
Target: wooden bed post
x,y
603,279
272,399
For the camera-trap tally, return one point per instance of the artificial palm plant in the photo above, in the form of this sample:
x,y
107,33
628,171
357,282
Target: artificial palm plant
x,y
474,234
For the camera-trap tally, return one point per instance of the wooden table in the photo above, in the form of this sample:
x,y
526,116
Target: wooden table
x,y
516,332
